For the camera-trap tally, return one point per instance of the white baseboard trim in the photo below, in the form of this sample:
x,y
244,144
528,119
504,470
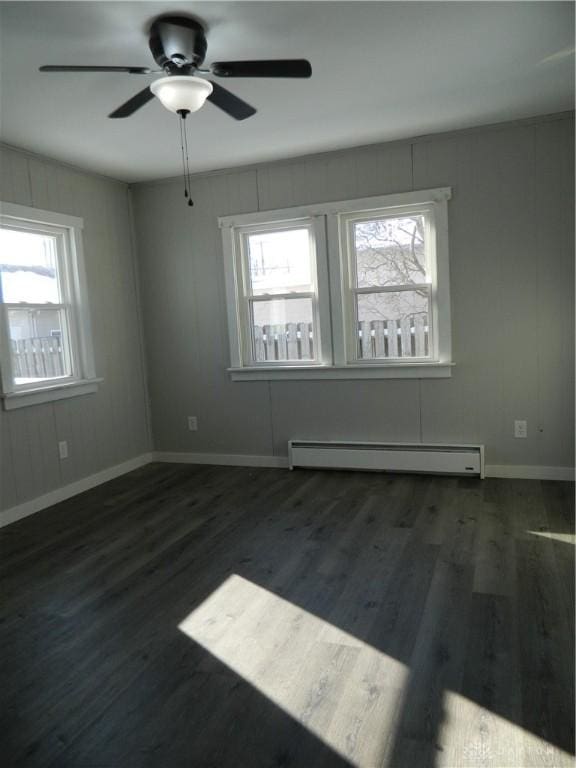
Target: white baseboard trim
x,y
73,489
230,459
519,472
236,460
244,460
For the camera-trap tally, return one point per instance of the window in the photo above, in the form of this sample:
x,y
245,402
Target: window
x,y
280,296
45,346
355,289
388,279
280,289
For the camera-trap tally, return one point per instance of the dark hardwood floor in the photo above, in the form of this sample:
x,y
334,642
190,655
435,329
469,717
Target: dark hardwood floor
x,y
187,616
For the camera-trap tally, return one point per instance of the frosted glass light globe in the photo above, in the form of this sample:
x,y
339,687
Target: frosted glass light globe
x,y
182,92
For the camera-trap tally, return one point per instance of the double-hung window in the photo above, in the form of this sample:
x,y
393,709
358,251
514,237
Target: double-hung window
x,y
355,289
280,294
389,282
45,345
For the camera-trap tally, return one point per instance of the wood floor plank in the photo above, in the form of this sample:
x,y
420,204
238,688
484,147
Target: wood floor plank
x,y
437,660
213,616
100,651
546,648
492,680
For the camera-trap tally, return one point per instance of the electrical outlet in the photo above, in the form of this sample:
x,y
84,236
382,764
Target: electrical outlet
x,y
520,428
193,423
63,449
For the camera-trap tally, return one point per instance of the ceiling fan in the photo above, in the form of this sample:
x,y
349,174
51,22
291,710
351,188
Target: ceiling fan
x,y
178,45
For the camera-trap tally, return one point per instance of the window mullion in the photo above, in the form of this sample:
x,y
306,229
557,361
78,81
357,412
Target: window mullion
x,y
338,287
392,288
35,306
274,296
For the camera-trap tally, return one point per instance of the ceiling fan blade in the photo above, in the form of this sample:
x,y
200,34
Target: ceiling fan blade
x,y
563,53
130,70
133,104
265,68
227,102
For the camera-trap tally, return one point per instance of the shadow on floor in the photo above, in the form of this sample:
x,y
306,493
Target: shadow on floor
x,y
440,574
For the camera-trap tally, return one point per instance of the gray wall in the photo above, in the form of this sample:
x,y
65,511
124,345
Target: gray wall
x,y
108,427
512,278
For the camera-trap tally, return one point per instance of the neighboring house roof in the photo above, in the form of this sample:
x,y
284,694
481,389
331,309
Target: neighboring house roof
x,y
34,284
38,270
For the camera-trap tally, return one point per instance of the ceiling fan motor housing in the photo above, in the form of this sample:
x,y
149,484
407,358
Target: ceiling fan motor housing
x,y
178,44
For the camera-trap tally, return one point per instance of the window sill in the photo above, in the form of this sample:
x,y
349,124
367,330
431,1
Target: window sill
x,y
40,395
326,372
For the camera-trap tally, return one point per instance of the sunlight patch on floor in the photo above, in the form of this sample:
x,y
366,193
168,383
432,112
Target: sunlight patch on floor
x,y
474,737
566,538
344,691
339,688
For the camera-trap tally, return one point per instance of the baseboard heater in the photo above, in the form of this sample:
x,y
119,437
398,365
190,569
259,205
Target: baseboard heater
x,y
388,457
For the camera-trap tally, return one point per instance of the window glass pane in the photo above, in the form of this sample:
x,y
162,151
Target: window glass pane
x,y
390,251
280,262
28,267
38,338
283,329
393,324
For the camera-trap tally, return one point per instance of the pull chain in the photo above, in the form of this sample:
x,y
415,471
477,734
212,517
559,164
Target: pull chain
x,y
185,158
187,162
180,122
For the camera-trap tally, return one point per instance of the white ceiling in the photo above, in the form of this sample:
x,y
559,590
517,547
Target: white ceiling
x,y
381,71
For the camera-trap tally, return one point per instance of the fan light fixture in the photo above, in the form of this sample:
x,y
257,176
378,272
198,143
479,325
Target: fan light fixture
x,y
178,45
182,92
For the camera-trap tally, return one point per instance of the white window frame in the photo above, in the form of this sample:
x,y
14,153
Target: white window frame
x,y
73,300
436,243
335,289
239,295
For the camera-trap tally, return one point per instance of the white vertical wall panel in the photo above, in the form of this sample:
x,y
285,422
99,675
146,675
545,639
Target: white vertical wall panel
x,y
507,338
554,170
336,176
350,410
185,318
110,426
511,262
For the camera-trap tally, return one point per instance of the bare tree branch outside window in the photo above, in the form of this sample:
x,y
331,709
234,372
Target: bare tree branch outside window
x,y
390,252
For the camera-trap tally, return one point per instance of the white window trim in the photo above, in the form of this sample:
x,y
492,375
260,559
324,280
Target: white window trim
x,y
332,260
319,295
84,379
437,242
